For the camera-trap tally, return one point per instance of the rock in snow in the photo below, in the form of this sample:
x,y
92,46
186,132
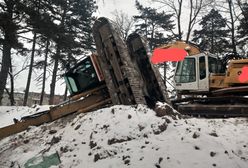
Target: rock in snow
x,y
132,136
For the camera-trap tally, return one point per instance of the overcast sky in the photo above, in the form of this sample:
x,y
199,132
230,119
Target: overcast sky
x,y
105,9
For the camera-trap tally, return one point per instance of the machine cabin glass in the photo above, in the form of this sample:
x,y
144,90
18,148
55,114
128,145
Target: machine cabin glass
x,y
215,65
202,67
186,71
81,77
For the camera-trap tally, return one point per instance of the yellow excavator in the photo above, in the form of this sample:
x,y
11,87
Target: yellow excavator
x,y
212,86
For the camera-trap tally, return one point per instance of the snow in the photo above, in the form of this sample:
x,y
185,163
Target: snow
x,y
170,70
8,113
132,136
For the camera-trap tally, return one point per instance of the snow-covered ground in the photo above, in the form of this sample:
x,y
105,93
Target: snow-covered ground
x,y
132,136
8,113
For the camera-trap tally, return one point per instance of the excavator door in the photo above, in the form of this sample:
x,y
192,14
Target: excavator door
x,y
192,74
84,76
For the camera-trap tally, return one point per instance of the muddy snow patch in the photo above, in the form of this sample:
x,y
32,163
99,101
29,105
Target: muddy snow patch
x,y
164,109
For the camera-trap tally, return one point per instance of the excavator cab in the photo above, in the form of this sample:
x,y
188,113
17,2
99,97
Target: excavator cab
x,y
193,73
84,76
199,72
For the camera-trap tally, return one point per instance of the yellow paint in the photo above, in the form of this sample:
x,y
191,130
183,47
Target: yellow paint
x,y
234,70
189,47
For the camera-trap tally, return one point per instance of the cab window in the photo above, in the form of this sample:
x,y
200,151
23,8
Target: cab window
x,y
82,77
185,72
213,65
202,67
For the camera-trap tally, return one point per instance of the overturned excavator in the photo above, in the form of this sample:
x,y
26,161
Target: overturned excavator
x,y
119,73
123,68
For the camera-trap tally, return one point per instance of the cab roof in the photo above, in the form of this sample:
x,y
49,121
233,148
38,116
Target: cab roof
x,y
191,48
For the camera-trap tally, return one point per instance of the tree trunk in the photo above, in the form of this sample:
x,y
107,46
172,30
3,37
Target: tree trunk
x,y
152,45
232,27
165,67
243,12
5,66
146,29
11,96
7,92
65,94
179,20
190,21
44,74
212,36
56,60
54,76
30,71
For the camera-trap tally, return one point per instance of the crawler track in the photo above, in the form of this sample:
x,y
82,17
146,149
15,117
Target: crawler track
x,y
122,79
154,87
224,106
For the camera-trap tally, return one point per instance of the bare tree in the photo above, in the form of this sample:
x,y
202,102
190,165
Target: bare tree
x,y
196,7
232,14
9,26
11,75
239,4
30,71
231,8
176,9
243,27
124,23
10,92
44,73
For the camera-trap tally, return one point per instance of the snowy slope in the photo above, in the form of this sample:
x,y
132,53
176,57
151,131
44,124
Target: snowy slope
x,y
132,136
7,113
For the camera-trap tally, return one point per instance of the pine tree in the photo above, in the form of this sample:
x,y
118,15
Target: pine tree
x,y
44,73
212,35
73,35
67,24
10,17
243,27
33,16
176,8
153,24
